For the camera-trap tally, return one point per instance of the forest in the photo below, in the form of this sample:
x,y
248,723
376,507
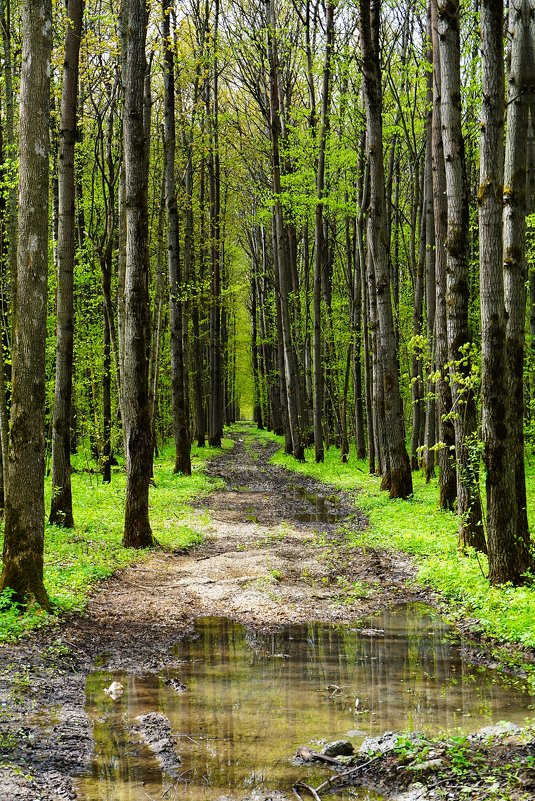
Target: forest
x,y
267,400
315,213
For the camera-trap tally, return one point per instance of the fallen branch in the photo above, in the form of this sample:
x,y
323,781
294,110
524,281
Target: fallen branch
x,y
328,785
301,784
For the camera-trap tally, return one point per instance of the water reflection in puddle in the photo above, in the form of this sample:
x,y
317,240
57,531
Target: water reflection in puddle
x,y
316,508
253,699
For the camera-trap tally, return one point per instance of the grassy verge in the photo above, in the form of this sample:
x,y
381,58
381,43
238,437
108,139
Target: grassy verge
x,y
76,559
419,528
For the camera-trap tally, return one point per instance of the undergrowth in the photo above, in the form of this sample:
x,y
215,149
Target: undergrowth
x,y
418,527
75,559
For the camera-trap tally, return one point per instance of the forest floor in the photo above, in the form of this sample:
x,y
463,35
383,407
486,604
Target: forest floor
x,y
273,554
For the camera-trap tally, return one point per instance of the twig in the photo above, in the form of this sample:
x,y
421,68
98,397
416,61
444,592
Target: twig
x,y
329,783
306,787
178,779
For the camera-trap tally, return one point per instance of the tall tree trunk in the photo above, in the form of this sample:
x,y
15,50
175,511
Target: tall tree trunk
x,y
11,226
61,504
320,248
255,349
398,476
418,408
198,327
136,411
158,316
354,277
496,422
512,557
457,282
446,431
282,269
430,274
215,429
25,511
176,287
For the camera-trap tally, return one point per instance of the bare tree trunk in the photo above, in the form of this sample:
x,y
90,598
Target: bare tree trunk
x,y
216,310
176,285
158,317
282,270
320,249
25,511
398,476
446,432
198,329
430,276
512,557
496,432
457,284
136,411
61,504
418,407
11,227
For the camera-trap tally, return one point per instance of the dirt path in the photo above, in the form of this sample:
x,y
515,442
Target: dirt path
x,y
273,554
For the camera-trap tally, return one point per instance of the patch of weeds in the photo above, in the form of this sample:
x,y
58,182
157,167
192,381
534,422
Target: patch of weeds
x,y
407,749
462,761
264,584
279,533
15,620
276,574
352,591
250,516
8,740
21,685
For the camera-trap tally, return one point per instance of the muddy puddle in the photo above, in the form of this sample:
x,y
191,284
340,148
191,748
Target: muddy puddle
x,y
313,508
252,699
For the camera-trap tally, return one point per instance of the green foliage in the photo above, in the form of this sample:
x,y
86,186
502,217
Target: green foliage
x,y
76,559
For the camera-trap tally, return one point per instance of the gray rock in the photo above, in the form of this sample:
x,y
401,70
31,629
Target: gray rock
x,y
501,729
387,742
338,748
426,767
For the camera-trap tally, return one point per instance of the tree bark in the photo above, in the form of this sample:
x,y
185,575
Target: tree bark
x,y
136,411
471,532
24,527
61,505
176,286
430,275
446,430
282,269
507,564
496,422
320,249
398,475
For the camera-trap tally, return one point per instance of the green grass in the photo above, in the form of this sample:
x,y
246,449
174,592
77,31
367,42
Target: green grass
x,y
429,535
76,559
